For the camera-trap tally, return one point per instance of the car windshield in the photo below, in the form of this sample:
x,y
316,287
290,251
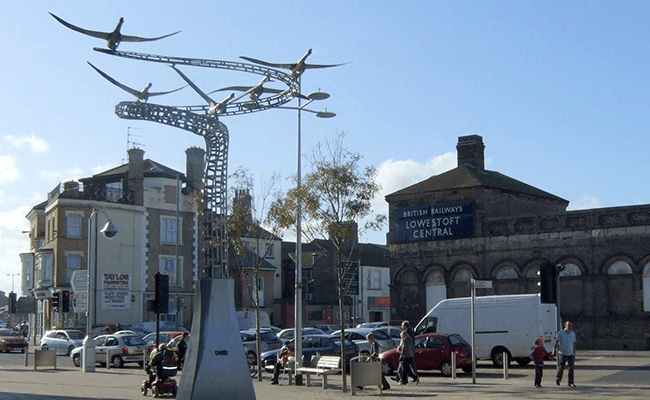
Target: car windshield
x,y
75,335
379,335
268,336
133,340
457,340
8,332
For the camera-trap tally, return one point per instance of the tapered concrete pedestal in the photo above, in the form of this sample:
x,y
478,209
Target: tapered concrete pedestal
x,y
215,365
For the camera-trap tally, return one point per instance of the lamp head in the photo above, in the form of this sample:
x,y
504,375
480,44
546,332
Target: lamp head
x,y
109,230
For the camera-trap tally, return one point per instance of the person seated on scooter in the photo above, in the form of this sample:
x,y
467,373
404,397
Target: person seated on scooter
x,y
282,361
157,359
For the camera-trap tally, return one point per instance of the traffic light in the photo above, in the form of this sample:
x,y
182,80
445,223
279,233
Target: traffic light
x,y
12,303
56,301
548,282
65,301
162,293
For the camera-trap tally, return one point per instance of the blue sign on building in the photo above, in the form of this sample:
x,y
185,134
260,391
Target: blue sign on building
x,y
434,222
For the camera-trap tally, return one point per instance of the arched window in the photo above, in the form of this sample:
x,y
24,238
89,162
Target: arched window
x,y
507,273
570,269
464,275
619,268
436,289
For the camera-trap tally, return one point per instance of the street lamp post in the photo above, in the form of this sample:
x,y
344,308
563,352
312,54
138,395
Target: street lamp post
x,y
109,231
298,286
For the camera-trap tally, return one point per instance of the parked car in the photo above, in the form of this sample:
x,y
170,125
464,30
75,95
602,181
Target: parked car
x,y
358,336
119,349
392,331
268,341
328,328
286,335
433,351
12,340
322,344
372,325
62,340
165,337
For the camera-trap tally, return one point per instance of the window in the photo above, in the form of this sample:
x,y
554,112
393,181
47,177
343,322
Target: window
x,y
646,287
73,263
73,225
507,273
168,230
619,268
374,279
168,267
269,250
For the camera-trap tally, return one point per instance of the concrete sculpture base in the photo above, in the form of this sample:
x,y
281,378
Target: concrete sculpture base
x,y
215,365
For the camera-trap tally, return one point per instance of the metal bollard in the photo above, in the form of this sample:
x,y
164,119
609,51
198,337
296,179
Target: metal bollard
x,y
27,355
505,365
453,365
108,360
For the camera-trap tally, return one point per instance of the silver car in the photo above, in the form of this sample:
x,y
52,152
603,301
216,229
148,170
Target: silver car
x,y
118,349
358,336
63,340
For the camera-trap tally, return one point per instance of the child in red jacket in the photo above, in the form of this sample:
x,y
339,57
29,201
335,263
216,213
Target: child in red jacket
x,y
538,353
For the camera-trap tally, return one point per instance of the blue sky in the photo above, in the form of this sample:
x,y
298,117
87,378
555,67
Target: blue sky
x,y
558,90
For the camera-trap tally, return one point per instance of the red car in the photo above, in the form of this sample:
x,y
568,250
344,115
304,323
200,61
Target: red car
x,y
433,351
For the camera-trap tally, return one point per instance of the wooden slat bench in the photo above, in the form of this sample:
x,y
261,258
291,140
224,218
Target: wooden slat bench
x,y
325,365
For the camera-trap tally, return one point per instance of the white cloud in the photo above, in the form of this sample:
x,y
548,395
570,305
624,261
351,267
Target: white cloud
x,y
8,169
587,202
394,175
35,144
12,243
72,173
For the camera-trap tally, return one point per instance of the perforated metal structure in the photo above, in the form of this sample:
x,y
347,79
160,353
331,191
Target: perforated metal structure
x,y
196,119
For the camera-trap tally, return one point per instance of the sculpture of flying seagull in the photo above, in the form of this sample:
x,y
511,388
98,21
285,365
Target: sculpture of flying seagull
x,y
140,95
215,108
113,38
295,69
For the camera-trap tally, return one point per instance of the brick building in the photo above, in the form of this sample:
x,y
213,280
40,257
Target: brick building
x,y
470,222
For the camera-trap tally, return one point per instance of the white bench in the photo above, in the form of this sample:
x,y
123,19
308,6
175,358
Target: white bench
x,y
325,365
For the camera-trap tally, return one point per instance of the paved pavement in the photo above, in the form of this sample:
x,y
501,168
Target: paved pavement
x,y
599,375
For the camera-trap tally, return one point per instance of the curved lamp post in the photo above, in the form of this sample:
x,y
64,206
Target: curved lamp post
x,y
298,287
109,231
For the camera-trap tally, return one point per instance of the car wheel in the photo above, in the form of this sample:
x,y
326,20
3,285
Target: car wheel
x,y
467,369
76,360
44,347
155,391
174,391
445,368
364,355
497,356
22,350
143,389
118,362
70,349
387,369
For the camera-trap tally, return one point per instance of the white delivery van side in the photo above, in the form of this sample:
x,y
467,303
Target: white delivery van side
x,y
503,324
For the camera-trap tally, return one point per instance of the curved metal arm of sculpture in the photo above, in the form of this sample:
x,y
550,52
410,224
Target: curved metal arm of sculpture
x,y
113,38
215,133
295,69
215,108
140,95
231,108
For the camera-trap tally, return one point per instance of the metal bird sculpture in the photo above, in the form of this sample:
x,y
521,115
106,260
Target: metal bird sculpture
x,y
215,108
140,95
295,69
113,38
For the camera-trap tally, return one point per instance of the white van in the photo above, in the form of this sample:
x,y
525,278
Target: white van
x,y
247,320
503,324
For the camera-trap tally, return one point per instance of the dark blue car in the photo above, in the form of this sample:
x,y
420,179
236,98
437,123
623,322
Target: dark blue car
x,y
312,344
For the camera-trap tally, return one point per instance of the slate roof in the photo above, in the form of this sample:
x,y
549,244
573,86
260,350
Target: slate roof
x,y
466,176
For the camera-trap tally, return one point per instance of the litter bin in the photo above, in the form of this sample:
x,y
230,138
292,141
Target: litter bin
x,y
364,373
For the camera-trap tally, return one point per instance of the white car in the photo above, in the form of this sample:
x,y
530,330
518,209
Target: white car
x,y
119,349
63,341
358,336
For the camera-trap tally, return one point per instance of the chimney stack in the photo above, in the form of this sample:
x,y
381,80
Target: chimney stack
x,y
471,151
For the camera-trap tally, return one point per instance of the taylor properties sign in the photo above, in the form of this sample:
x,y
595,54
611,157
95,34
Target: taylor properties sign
x,y
443,221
